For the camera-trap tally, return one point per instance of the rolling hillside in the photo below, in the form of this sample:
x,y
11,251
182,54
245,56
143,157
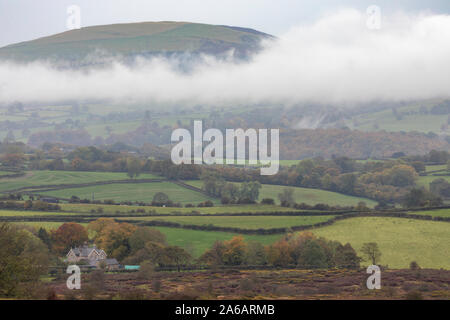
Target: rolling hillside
x,y
133,39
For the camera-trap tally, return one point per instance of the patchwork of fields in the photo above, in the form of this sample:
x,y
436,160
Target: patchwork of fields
x,y
43,178
401,240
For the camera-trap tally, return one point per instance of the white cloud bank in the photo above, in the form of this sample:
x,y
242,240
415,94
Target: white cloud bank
x,y
335,60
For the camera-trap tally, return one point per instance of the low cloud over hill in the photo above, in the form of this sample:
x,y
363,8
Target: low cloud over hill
x,y
337,59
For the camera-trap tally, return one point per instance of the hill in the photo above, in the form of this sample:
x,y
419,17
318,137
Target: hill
x,y
137,39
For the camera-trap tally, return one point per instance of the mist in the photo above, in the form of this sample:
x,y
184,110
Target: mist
x,y
337,59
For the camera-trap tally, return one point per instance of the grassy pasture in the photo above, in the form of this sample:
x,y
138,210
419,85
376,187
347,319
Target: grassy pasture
x,y
306,195
133,192
386,120
313,196
434,213
424,181
435,167
244,222
197,242
400,240
46,225
253,208
15,213
116,128
421,123
44,177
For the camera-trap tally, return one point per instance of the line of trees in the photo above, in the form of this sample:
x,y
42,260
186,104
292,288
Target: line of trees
x,y
303,250
228,192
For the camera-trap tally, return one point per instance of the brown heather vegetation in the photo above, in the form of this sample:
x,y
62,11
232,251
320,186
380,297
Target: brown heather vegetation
x,y
265,284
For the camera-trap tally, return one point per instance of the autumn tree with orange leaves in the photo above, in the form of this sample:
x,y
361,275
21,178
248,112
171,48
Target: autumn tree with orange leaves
x,y
67,236
112,236
235,251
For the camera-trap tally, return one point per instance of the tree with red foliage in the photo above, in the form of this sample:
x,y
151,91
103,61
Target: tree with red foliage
x,y
67,236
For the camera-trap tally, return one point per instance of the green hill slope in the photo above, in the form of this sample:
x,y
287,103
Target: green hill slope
x,y
146,38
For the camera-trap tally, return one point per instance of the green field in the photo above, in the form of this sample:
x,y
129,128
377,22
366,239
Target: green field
x,y
243,222
197,242
411,120
306,195
435,167
99,130
313,196
41,178
15,213
46,225
400,240
424,181
5,173
421,123
133,192
434,213
250,208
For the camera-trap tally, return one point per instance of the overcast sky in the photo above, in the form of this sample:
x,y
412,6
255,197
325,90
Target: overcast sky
x,y
22,20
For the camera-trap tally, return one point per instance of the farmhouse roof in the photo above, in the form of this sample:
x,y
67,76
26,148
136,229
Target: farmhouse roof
x,y
111,262
85,251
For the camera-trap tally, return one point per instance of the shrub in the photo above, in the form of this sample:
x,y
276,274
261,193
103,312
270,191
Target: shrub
x,y
321,206
268,201
97,279
414,295
185,294
248,284
51,295
156,285
132,295
207,203
284,290
302,206
414,265
89,292
146,270
160,199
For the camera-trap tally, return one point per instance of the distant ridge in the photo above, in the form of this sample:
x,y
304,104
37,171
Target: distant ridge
x,y
133,39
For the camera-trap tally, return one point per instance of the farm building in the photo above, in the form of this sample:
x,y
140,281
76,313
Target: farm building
x,y
50,200
91,256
